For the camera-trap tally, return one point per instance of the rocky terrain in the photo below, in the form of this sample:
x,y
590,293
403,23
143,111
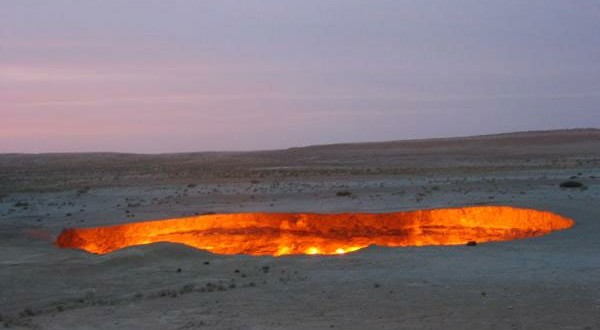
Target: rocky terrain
x,y
550,282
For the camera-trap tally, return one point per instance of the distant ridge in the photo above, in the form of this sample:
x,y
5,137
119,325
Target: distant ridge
x,y
517,134
558,134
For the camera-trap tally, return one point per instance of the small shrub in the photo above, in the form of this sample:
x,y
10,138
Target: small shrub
x,y
83,190
22,204
187,288
571,184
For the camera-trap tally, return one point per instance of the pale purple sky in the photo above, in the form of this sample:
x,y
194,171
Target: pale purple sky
x,y
172,76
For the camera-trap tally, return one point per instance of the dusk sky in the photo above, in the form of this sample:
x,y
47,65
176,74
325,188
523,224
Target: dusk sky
x,y
172,76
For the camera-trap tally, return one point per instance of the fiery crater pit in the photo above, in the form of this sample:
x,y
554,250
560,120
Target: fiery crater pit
x,y
310,233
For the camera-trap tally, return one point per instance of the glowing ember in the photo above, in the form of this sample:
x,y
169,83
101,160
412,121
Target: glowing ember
x,y
308,233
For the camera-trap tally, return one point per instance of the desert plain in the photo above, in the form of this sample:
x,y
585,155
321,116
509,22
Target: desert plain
x,y
548,282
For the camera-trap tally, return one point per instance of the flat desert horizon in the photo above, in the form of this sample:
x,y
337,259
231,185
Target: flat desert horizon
x,y
549,280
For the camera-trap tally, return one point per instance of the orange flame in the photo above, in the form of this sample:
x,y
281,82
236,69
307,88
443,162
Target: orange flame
x,y
310,233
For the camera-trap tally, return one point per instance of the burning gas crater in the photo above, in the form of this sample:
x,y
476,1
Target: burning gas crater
x,y
307,233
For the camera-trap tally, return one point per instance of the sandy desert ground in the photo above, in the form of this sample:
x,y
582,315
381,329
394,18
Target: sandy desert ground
x,y
549,282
